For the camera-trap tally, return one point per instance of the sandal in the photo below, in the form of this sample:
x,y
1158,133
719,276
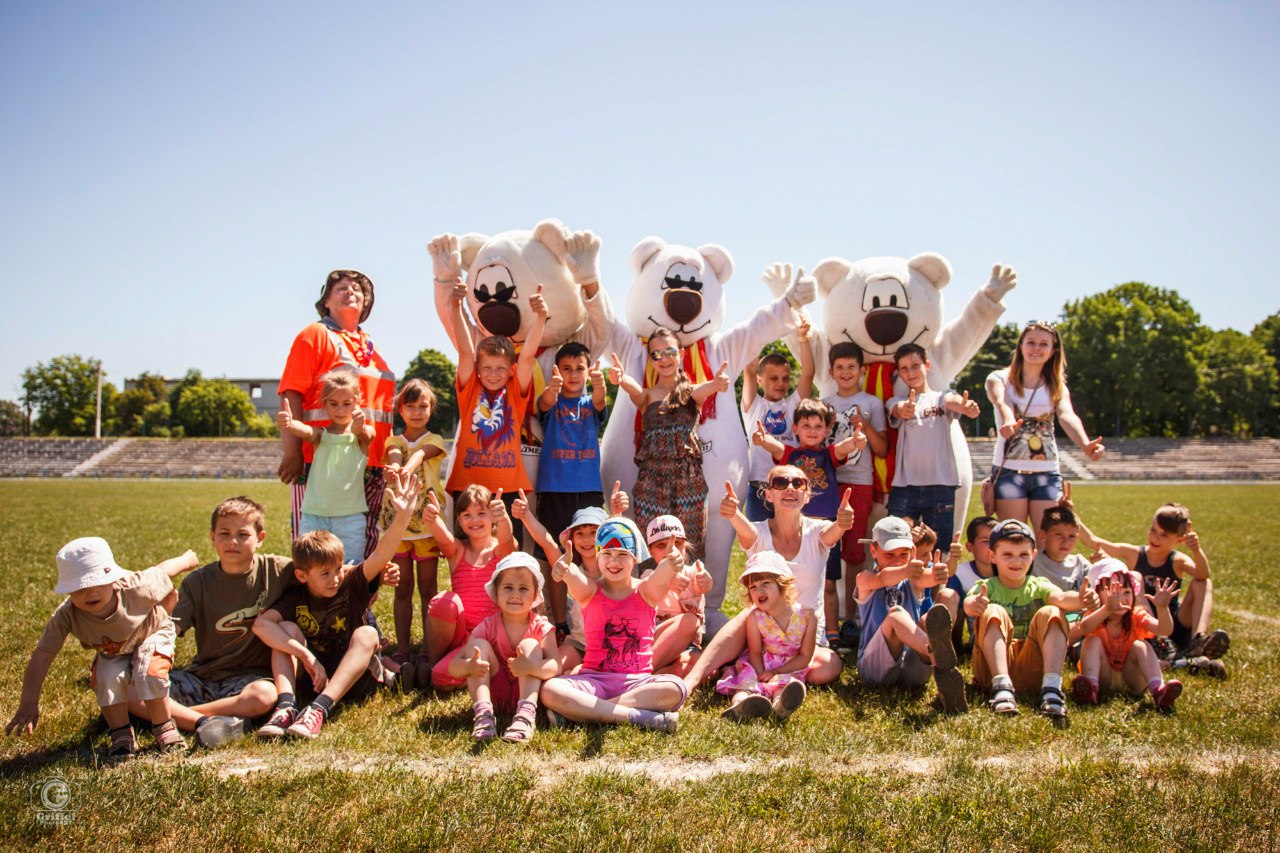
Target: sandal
x,y
168,738
484,727
522,725
1053,703
1002,701
123,746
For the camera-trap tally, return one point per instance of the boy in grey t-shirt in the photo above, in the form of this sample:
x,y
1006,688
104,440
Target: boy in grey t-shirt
x,y
925,476
1056,560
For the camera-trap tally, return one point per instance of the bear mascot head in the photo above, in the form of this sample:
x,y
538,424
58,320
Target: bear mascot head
x,y
679,288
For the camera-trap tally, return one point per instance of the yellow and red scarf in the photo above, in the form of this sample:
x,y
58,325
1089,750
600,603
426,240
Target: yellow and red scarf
x,y
879,383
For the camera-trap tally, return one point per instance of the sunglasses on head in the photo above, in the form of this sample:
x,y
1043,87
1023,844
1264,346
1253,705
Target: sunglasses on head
x,y
797,483
660,354
1047,325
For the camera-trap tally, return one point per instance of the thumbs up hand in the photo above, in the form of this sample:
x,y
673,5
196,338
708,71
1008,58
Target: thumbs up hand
x,y
722,378
844,513
969,408
1011,429
497,509
284,418
1095,449
1192,539
757,437
619,501
955,552
538,303
615,370
940,570
477,666
729,504
520,506
907,409
595,375
556,382
430,509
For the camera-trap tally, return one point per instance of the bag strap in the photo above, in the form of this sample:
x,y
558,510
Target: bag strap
x,y
1017,416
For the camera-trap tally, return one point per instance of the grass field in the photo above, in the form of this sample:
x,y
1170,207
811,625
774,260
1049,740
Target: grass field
x,y
856,768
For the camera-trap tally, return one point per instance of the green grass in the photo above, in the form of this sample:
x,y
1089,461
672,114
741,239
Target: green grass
x,y
856,767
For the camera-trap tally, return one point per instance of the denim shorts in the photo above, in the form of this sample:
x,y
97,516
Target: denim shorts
x,y
1040,486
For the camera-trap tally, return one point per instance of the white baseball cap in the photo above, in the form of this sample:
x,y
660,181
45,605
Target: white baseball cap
x,y
664,527
86,562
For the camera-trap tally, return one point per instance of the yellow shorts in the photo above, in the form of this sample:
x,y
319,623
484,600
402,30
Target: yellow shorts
x,y
419,550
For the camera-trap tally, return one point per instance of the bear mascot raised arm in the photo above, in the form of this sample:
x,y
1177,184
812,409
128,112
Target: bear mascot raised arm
x,y
683,289
881,304
502,272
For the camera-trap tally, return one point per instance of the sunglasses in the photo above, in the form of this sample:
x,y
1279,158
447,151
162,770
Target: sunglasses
x,y
660,354
797,483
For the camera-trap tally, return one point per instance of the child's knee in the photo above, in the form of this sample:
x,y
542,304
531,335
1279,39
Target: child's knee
x,y
446,606
260,694
486,650
529,648
365,638
1047,620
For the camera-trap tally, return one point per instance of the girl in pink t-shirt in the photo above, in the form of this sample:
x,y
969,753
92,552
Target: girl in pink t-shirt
x,y
616,683
510,653
482,536
1115,653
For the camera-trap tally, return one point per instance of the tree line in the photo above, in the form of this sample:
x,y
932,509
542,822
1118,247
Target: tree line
x,y
1139,363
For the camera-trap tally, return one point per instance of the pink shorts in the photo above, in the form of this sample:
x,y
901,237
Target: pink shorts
x,y
447,607
611,685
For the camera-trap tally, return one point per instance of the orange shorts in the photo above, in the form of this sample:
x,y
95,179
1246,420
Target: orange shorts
x,y
1026,661
419,550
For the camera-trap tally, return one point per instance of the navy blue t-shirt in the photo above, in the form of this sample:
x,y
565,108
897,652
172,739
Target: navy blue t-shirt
x,y
570,460
819,465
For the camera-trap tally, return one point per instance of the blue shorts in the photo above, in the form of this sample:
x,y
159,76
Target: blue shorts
x,y
1041,486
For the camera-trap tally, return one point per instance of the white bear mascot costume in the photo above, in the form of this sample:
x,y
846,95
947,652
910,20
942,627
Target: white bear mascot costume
x,y
503,271
881,304
683,289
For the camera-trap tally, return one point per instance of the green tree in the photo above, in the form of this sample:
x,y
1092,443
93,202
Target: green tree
x,y
1237,388
12,419
144,409
1131,355
439,372
214,407
63,392
995,353
1267,333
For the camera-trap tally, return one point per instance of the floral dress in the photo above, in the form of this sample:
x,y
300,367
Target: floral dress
x,y
669,478
779,646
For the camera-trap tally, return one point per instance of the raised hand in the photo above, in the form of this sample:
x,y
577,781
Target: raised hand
x,y
969,408
520,506
284,417
357,420
757,436
521,665
680,582
1166,589
1089,598
1011,429
729,504
390,574
582,257
403,494
981,601
804,328
956,551
538,303
844,513
595,375
1003,279
446,259
1065,500
619,501
723,383
916,571
1110,594
802,291
457,292
940,570
562,565
777,278
856,421
430,509
907,410
497,509
1192,539
615,370
859,438
1095,449
556,382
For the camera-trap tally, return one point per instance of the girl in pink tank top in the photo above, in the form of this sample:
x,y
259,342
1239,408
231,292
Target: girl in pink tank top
x,y
482,536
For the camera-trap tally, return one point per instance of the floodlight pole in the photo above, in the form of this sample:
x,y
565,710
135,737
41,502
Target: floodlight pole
x,y
97,418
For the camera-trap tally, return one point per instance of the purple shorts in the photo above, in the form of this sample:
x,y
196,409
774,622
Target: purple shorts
x,y
611,685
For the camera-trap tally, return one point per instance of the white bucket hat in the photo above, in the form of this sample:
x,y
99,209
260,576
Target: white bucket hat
x,y
86,562
518,560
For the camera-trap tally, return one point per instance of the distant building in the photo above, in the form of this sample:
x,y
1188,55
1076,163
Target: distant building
x,y
261,391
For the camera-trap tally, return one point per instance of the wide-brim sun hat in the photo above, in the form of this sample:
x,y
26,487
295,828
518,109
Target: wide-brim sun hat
x,y
765,563
85,563
592,515
366,285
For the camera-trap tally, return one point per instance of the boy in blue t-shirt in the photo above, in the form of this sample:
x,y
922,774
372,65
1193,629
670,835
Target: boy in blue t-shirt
x,y
813,421
569,468
905,634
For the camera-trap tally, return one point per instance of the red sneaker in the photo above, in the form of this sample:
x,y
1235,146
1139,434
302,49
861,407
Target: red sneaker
x,y
1084,691
309,724
1166,695
282,719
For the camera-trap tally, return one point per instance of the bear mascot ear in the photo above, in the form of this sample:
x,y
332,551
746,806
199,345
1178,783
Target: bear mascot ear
x,y
552,233
720,260
644,252
469,246
829,273
932,266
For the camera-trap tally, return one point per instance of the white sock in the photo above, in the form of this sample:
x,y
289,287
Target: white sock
x,y
1001,682
1052,679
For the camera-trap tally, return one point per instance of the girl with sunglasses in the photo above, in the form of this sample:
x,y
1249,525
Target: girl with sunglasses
x,y
1027,396
669,478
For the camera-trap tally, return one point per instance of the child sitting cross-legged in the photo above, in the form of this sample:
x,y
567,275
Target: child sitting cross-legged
x,y
906,634
122,615
1115,653
616,683
769,677
509,654
1021,634
322,622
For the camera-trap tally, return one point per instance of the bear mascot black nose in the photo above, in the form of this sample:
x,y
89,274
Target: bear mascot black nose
x,y
682,305
886,325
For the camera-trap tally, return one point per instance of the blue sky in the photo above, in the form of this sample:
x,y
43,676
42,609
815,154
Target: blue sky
x,y
179,178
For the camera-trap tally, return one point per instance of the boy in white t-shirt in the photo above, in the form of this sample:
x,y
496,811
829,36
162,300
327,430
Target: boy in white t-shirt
x,y
855,409
765,399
